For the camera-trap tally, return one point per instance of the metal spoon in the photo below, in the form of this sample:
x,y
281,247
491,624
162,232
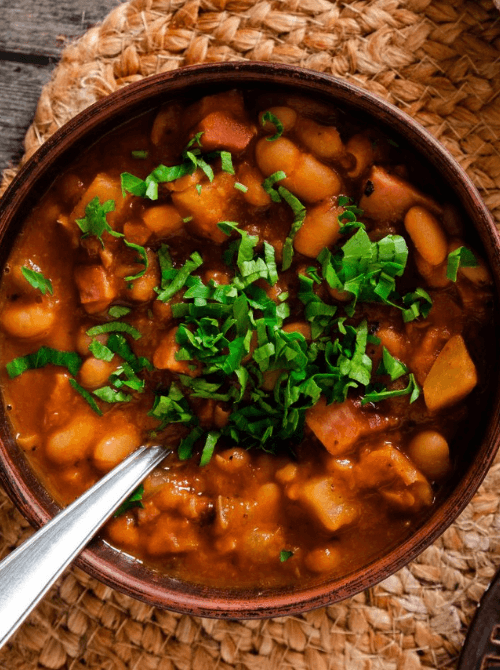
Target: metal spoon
x,y
27,573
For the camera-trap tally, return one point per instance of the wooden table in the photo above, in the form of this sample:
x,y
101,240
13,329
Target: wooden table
x,y
32,35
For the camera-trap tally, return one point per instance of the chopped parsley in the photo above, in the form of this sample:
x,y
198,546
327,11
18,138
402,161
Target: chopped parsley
x,y
86,396
269,117
110,395
100,351
134,500
44,356
114,327
268,185
95,222
37,280
140,153
142,258
285,555
299,214
117,311
461,257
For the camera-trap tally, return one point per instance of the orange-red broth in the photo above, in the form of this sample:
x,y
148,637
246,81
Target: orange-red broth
x,y
363,476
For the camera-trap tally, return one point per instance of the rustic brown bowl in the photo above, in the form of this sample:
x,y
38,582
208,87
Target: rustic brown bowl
x,y
120,570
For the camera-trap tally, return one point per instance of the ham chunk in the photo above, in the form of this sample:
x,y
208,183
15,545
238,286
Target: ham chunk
x,y
97,289
230,101
327,503
214,203
338,426
221,130
452,376
387,197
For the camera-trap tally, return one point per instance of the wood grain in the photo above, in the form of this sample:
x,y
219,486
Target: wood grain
x,y
20,86
42,27
32,36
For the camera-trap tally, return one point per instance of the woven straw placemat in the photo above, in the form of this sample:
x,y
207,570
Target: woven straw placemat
x,y
439,60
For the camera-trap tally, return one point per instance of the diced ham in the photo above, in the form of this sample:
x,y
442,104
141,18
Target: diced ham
x,y
229,101
221,130
97,289
338,426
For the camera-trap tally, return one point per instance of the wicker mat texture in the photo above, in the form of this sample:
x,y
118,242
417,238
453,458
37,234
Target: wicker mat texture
x,y
439,60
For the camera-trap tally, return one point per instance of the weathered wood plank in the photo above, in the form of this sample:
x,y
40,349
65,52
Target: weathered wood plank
x,y
40,28
20,86
32,35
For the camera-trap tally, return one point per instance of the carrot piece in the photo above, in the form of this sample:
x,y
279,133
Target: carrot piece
x,y
452,376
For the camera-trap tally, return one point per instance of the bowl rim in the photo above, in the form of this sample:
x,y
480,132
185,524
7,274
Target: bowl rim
x,y
117,569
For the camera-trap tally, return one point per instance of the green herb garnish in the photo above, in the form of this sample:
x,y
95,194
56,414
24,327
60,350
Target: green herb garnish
x,y
135,500
101,351
271,118
44,356
94,222
269,182
117,311
86,396
143,258
37,280
114,327
461,257
285,555
109,394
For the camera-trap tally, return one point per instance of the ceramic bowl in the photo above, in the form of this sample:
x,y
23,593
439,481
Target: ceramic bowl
x,y
119,570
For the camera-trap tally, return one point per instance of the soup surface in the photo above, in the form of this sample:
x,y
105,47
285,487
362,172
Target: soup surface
x,y
271,288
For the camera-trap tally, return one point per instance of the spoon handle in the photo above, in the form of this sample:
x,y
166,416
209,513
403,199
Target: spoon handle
x,y
28,572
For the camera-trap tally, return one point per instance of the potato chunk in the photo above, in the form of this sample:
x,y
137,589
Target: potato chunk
x,y
163,220
327,504
164,356
395,477
452,377
97,289
105,187
212,204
